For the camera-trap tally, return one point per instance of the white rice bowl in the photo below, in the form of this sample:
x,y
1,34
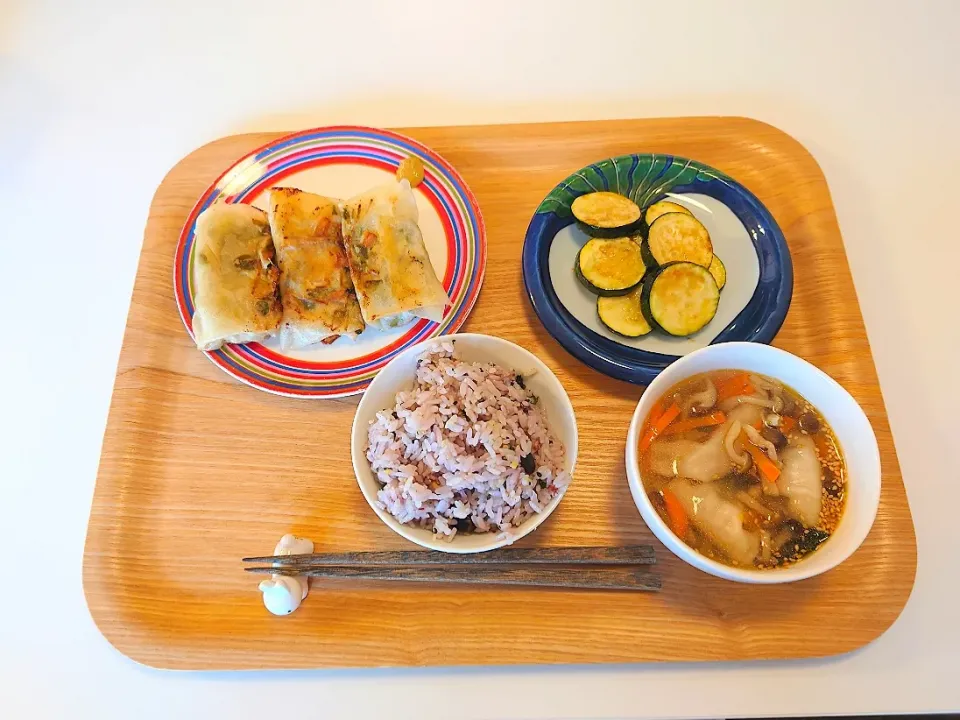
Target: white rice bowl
x,y
457,453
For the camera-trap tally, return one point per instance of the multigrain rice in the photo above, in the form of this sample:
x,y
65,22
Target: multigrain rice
x,y
467,449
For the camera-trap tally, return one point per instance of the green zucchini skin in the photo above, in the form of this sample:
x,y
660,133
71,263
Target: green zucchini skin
x,y
602,291
645,287
700,301
614,314
648,259
610,233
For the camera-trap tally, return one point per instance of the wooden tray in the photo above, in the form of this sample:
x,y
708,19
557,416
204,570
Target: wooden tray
x,y
198,470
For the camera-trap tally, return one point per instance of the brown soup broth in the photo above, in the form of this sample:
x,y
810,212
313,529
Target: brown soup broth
x,y
743,469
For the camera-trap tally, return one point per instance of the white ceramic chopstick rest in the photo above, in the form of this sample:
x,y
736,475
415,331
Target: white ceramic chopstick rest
x,y
282,594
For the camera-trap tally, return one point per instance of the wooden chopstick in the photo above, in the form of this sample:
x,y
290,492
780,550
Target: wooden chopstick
x,y
609,578
626,555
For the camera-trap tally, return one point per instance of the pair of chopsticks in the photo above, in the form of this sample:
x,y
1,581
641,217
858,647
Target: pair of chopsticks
x,y
596,568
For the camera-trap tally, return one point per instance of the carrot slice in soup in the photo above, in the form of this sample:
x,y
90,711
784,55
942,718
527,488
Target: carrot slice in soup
x,y
768,469
676,515
658,426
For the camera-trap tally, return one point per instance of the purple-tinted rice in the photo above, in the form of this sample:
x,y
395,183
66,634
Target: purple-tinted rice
x,y
453,453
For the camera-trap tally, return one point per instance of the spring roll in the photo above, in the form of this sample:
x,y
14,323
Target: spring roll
x,y
319,302
389,264
236,298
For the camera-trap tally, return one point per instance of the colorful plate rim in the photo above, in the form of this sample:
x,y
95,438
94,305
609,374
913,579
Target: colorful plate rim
x,y
760,319
443,187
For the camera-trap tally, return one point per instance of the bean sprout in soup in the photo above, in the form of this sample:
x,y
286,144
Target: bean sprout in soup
x,y
743,469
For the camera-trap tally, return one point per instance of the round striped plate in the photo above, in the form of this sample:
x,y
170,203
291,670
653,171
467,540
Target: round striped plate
x,y
340,162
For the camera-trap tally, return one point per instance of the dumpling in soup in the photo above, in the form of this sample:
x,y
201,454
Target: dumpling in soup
x,y
719,519
703,462
800,480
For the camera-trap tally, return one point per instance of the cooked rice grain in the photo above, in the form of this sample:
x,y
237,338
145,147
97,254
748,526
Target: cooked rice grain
x,y
450,454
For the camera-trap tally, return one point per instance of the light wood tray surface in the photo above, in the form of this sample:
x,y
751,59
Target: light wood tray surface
x,y
198,470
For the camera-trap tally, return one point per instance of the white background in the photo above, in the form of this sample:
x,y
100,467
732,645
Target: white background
x,y
98,100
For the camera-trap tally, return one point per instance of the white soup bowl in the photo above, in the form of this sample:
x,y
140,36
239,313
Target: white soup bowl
x,y
851,429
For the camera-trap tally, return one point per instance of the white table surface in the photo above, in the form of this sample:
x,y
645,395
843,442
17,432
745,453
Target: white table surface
x,y
98,100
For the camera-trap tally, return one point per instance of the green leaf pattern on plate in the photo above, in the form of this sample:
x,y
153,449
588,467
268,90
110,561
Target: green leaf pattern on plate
x,y
642,178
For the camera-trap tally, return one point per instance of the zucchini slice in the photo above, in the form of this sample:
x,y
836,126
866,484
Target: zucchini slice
x,y
610,266
719,271
623,315
679,237
606,214
681,298
662,208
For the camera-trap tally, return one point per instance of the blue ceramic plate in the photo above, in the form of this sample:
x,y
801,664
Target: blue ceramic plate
x,y
753,303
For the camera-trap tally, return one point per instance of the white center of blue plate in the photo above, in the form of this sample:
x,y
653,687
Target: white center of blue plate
x,y
731,243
